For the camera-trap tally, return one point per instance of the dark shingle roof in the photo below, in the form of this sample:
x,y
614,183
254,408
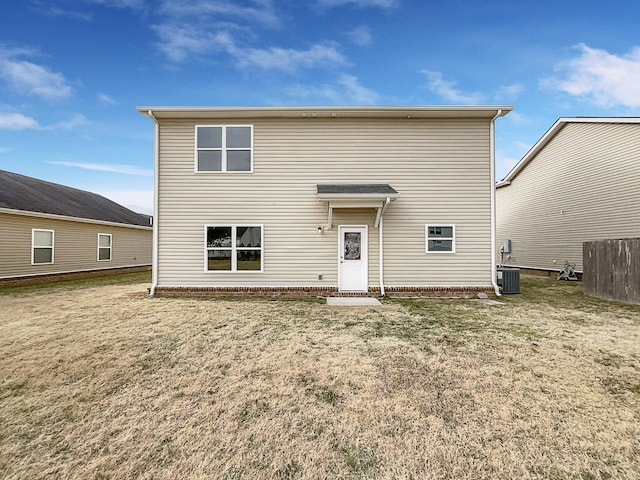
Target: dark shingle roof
x,y
357,188
19,192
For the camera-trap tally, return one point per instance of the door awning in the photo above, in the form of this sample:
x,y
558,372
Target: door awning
x,y
357,195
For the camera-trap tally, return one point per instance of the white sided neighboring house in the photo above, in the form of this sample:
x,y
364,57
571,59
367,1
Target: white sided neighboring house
x,y
324,200
580,182
50,230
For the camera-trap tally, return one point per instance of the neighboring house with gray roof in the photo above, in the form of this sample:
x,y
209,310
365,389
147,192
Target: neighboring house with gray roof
x,y
51,229
578,183
324,200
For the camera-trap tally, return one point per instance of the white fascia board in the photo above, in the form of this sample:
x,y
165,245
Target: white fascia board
x,y
473,111
52,216
351,197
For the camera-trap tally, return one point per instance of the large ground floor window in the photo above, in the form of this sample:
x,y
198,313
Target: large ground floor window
x,y
233,248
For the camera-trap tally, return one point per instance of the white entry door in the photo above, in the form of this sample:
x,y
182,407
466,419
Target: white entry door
x,y
353,270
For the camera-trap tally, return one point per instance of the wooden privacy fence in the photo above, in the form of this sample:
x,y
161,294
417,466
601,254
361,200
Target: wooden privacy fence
x,y
611,269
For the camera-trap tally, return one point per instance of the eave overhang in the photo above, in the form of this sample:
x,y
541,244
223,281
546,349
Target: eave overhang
x,y
454,111
351,195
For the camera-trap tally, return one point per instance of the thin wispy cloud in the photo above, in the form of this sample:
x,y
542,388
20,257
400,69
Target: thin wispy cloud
x,y
105,99
447,90
62,10
111,168
286,59
179,43
599,77
56,11
346,91
360,36
17,121
358,3
261,12
201,29
29,78
78,120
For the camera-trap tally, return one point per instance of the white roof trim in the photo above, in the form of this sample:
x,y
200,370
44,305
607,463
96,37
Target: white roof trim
x,y
447,111
546,138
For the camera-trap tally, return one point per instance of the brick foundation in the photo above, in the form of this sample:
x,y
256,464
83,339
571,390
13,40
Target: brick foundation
x,y
301,292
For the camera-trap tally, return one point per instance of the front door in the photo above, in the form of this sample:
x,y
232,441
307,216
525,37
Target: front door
x,y
352,255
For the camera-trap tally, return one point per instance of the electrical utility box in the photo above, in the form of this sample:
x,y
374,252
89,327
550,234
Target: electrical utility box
x,y
509,279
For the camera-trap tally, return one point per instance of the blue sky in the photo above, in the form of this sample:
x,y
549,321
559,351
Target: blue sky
x,y
73,71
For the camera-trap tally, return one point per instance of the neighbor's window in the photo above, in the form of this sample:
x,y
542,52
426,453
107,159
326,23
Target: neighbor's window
x,y
233,248
42,246
441,238
104,247
224,148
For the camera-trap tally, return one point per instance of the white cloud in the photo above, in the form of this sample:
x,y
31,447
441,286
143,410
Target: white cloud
x,y
112,168
511,91
78,120
448,91
600,77
346,91
205,12
179,42
106,99
205,28
17,121
289,59
358,3
55,11
360,36
30,78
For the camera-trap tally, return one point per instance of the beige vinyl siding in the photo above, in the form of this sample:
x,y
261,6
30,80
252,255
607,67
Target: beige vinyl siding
x,y
582,186
440,167
75,246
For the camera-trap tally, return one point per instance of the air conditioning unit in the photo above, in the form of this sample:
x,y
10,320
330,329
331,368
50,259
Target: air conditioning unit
x,y
509,279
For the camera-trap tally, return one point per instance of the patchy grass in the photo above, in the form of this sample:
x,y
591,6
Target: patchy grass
x,y
99,382
66,285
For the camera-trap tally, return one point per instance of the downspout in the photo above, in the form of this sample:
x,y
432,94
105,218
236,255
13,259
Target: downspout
x,y
492,154
156,182
381,245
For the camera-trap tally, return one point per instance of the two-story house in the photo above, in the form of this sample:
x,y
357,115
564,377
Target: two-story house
x,y
324,200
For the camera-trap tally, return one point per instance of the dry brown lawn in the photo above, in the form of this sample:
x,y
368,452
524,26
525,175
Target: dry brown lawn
x,y
100,382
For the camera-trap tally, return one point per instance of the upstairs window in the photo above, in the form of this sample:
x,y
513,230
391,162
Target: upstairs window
x,y
41,246
224,148
233,248
104,247
441,238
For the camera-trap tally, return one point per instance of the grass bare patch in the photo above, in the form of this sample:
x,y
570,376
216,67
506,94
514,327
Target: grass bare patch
x,y
100,382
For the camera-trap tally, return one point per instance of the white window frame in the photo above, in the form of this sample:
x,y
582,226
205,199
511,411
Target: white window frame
x,y
233,248
110,247
223,149
34,246
452,238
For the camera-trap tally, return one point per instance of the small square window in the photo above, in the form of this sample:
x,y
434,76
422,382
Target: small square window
x,y
440,238
224,148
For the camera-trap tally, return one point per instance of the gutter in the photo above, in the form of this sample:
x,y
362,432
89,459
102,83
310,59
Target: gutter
x,y
492,154
381,246
156,183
